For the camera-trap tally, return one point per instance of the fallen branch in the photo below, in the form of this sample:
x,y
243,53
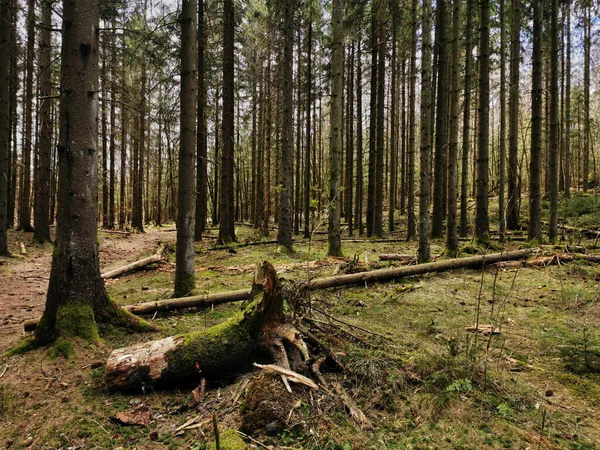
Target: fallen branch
x,y
289,374
159,256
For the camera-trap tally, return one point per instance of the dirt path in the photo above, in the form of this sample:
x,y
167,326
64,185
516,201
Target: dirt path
x,y
24,280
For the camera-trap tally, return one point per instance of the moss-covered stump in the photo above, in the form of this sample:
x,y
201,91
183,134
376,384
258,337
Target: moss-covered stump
x,y
212,354
229,440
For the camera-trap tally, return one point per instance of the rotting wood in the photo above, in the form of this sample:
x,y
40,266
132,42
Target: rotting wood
x,y
159,256
213,353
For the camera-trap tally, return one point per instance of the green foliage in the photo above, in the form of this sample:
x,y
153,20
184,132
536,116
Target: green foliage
x,y
461,386
581,354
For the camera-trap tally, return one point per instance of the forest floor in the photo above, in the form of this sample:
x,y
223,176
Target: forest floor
x,y
420,378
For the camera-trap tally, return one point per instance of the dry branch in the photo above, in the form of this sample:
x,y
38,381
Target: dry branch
x,y
159,256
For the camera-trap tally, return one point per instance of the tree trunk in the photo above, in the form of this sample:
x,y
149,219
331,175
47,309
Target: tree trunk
x,y
553,141
424,253
410,188
284,235
482,224
535,208
567,166
226,221
359,142
185,279
113,129
587,32
379,153
202,150
393,132
514,195
5,13
502,165
335,149
452,231
25,181
76,298
104,136
441,124
308,155
372,123
42,195
464,179
349,143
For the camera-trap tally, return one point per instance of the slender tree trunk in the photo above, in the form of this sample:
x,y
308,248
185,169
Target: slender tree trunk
x,y
393,132
123,182
482,225
452,235
267,156
337,92
5,35
587,31
464,179
441,124
412,129
185,279
372,123
13,87
25,184
535,225
424,253
113,129
217,165
553,143
284,235
104,137
502,165
202,139
379,155
42,196
226,225
359,142
514,195
567,166
295,199
350,143
307,163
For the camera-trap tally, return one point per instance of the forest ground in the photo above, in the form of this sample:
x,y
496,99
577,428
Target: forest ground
x,y
427,384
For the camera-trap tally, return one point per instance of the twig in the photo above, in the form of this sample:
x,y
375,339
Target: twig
x,y
4,371
253,440
353,326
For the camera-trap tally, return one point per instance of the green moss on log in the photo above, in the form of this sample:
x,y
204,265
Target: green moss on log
x,y
229,440
218,350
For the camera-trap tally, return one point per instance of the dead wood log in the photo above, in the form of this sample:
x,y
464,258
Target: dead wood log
x,y
189,302
213,353
472,262
395,257
159,256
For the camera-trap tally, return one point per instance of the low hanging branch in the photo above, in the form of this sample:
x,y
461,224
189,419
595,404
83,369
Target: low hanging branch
x,y
160,255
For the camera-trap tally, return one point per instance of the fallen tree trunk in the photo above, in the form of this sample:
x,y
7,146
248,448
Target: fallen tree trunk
x,y
396,257
321,283
215,352
159,256
471,262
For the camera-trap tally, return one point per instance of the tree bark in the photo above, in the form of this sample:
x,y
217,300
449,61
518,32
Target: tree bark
x,y
5,17
514,196
410,188
226,221
553,141
359,142
202,134
379,153
76,298
372,124
284,234
535,207
185,279
567,165
335,149
424,254
308,155
502,157
482,224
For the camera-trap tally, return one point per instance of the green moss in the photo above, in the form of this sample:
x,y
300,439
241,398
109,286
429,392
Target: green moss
x,y
77,320
184,286
23,346
229,440
62,347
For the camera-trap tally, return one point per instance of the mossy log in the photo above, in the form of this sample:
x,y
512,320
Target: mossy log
x,y
212,354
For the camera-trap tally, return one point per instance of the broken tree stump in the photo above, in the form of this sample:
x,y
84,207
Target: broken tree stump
x,y
160,255
213,353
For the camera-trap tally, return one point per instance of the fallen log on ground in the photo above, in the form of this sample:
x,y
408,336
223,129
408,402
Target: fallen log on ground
x,y
159,256
215,352
472,262
396,257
